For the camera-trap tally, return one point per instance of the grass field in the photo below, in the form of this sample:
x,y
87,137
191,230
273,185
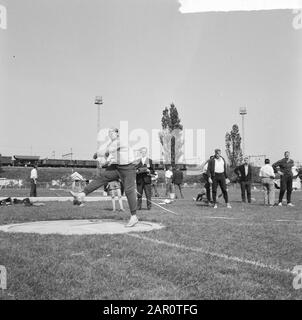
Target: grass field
x,y
246,252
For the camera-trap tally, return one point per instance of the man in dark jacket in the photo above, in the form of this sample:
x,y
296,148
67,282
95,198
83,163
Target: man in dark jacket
x,y
217,176
144,179
244,173
177,180
284,168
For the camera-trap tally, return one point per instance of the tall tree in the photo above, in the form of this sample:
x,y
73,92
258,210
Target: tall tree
x,y
170,135
233,146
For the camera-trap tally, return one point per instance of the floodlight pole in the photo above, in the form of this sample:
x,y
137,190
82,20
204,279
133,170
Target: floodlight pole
x,y
98,101
243,112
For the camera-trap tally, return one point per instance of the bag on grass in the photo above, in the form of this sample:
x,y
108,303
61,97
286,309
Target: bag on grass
x,y
27,202
6,202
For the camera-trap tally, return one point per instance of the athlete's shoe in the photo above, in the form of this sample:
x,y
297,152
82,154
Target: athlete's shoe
x,y
78,203
215,206
290,205
280,204
229,206
79,198
132,222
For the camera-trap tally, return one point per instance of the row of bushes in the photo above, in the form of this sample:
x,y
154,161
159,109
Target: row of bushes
x,y
49,174
45,174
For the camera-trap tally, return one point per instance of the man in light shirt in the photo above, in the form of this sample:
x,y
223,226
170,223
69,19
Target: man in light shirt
x,y
296,178
168,180
117,159
218,176
267,175
33,181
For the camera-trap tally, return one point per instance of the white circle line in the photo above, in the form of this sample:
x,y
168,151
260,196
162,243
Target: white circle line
x,y
214,254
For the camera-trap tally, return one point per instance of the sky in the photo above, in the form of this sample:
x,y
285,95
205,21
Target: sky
x,y
140,56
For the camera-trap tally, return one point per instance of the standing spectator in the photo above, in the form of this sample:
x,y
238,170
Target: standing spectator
x,y
218,176
296,178
177,180
168,181
114,190
33,181
267,175
244,173
154,181
143,179
284,168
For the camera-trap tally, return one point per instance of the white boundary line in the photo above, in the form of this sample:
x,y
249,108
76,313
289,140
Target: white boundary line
x,y
223,218
189,6
214,254
297,221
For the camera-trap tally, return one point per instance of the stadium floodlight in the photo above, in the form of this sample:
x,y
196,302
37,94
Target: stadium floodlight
x,y
98,100
243,112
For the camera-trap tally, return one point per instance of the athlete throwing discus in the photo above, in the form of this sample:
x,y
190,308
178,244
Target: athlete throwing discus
x,y
117,160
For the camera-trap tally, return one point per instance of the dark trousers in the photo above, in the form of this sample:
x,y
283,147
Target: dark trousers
x,y
33,188
286,184
207,186
154,186
179,187
127,173
246,187
141,187
219,179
